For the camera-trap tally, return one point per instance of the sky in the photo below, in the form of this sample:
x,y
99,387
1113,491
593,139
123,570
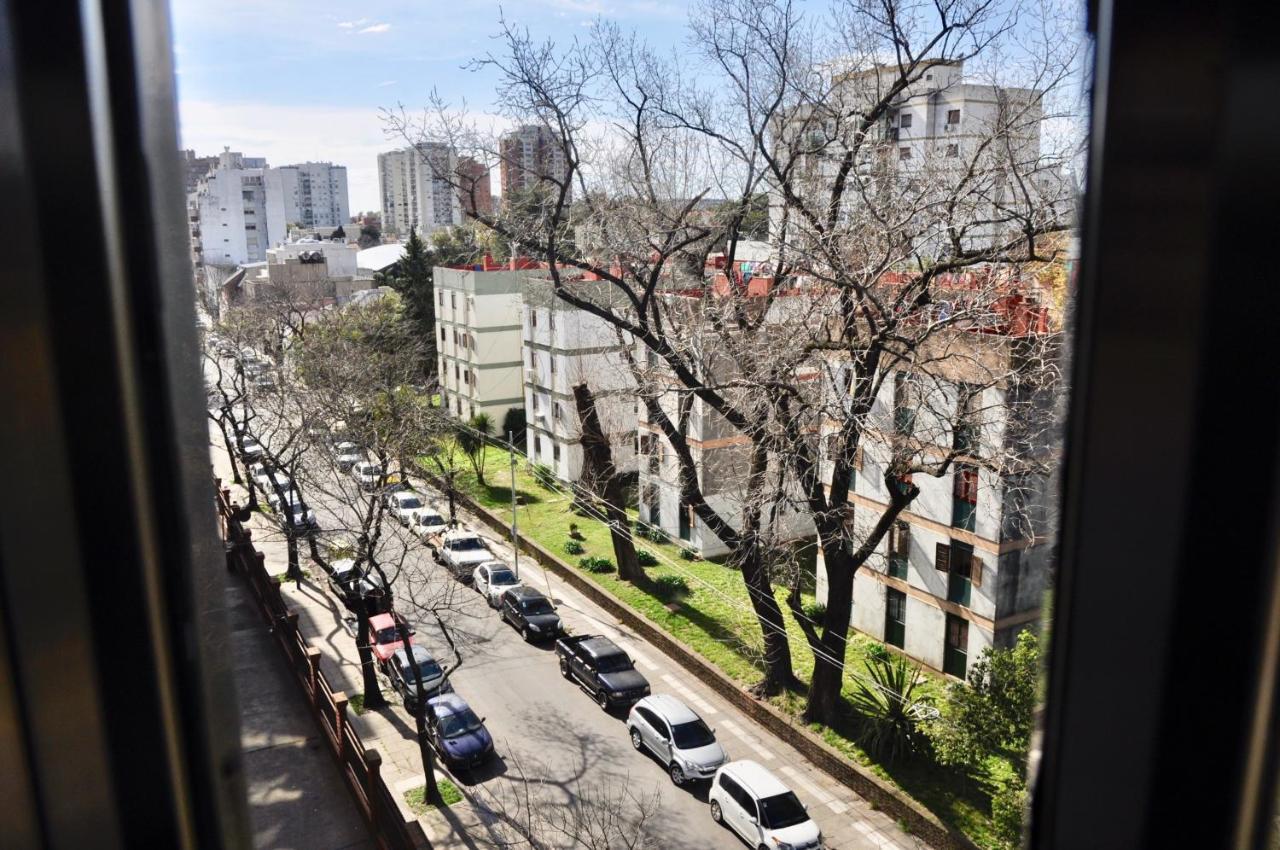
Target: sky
x,y
296,81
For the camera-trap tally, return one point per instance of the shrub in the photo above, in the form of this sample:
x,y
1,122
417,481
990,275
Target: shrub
x,y
574,533
596,564
573,547
645,558
815,611
1007,808
878,652
671,587
652,533
889,710
544,476
688,554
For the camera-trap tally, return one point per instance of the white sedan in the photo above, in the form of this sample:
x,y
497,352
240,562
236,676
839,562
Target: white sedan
x,y
403,504
492,579
427,523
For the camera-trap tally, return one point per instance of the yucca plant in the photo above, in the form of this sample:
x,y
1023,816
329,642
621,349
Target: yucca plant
x,y
890,709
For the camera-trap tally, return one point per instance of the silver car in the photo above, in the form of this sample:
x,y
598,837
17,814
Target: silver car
x,y
679,738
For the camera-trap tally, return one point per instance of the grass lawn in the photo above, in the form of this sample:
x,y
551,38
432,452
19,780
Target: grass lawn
x,y
716,620
417,797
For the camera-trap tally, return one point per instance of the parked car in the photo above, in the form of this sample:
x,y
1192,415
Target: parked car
x,y
602,669
752,802
346,581
457,734
400,671
385,637
428,524
530,612
461,552
250,449
403,504
267,484
347,454
296,514
492,579
679,738
369,474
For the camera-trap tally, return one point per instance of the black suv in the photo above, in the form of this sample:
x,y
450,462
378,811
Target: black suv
x,y
530,612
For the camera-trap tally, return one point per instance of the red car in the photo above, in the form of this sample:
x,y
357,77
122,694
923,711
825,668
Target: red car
x,y
384,636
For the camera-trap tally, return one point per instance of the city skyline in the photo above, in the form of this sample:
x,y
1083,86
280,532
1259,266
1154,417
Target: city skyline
x,y
325,71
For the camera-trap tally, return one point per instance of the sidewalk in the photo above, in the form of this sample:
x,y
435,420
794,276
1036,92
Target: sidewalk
x,y
297,799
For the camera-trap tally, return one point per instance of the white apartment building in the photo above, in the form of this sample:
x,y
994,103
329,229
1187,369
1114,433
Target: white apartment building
x,y
930,136
416,190
961,569
230,206
309,194
479,341
564,347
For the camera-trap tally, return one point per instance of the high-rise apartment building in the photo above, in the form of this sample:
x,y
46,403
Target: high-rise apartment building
x,y
309,194
230,210
473,186
417,189
530,155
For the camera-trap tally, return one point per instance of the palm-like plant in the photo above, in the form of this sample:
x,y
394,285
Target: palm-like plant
x,y
890,708
473,440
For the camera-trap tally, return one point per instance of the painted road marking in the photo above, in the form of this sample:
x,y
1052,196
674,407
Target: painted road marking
x,y
698,702
747,738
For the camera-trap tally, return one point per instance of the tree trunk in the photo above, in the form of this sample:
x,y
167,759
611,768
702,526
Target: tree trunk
x,y
421,716
231,453
829,655
597,459
372,690
294,573
778,672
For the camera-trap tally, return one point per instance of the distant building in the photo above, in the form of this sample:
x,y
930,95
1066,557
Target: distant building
x,y
193,168
473,187
479,341
529,155
230,210
417,189
563,347
309,195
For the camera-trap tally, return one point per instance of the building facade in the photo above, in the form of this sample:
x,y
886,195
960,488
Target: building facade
x,y
417,189
529,155
474,187
309,195
230,225
965,566
479,342
564,347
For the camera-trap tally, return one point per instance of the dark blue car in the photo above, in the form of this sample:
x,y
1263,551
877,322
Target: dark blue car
x,y
457,734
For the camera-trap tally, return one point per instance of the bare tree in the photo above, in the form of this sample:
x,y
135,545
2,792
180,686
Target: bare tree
x,y
897,272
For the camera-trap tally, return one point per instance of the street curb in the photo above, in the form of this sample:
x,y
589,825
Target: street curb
x,y
890,800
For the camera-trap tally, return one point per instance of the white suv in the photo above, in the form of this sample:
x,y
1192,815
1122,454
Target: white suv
x,y
677,736
751,801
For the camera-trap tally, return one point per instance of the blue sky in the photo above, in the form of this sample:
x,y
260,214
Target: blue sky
x,y
294,80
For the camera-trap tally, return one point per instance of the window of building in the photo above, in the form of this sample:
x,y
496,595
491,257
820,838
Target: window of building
x,y
904,153
961,563
440,297
453,300
553,364
444,336
899,549
953,117
686,524
551,319
964,502
904,404
555,452
955,652
905,121
537,446
533,318
895,617
953,150
555,411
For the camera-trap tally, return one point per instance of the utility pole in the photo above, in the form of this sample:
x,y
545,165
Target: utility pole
x,y
515,540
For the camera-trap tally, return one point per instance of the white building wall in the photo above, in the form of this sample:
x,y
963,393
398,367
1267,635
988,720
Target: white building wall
x,y
483,309
413,195
233,216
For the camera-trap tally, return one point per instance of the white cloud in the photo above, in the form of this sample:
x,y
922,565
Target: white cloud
x,y
350,25
374,29
385,83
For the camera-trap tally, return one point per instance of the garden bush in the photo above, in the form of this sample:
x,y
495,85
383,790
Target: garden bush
x,y
688,554
573,547
596,564
815,611
652,533
645,558
671,587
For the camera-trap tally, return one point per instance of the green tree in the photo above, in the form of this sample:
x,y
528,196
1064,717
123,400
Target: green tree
x,y
514,424
417,289
473,441
370,235
993,713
